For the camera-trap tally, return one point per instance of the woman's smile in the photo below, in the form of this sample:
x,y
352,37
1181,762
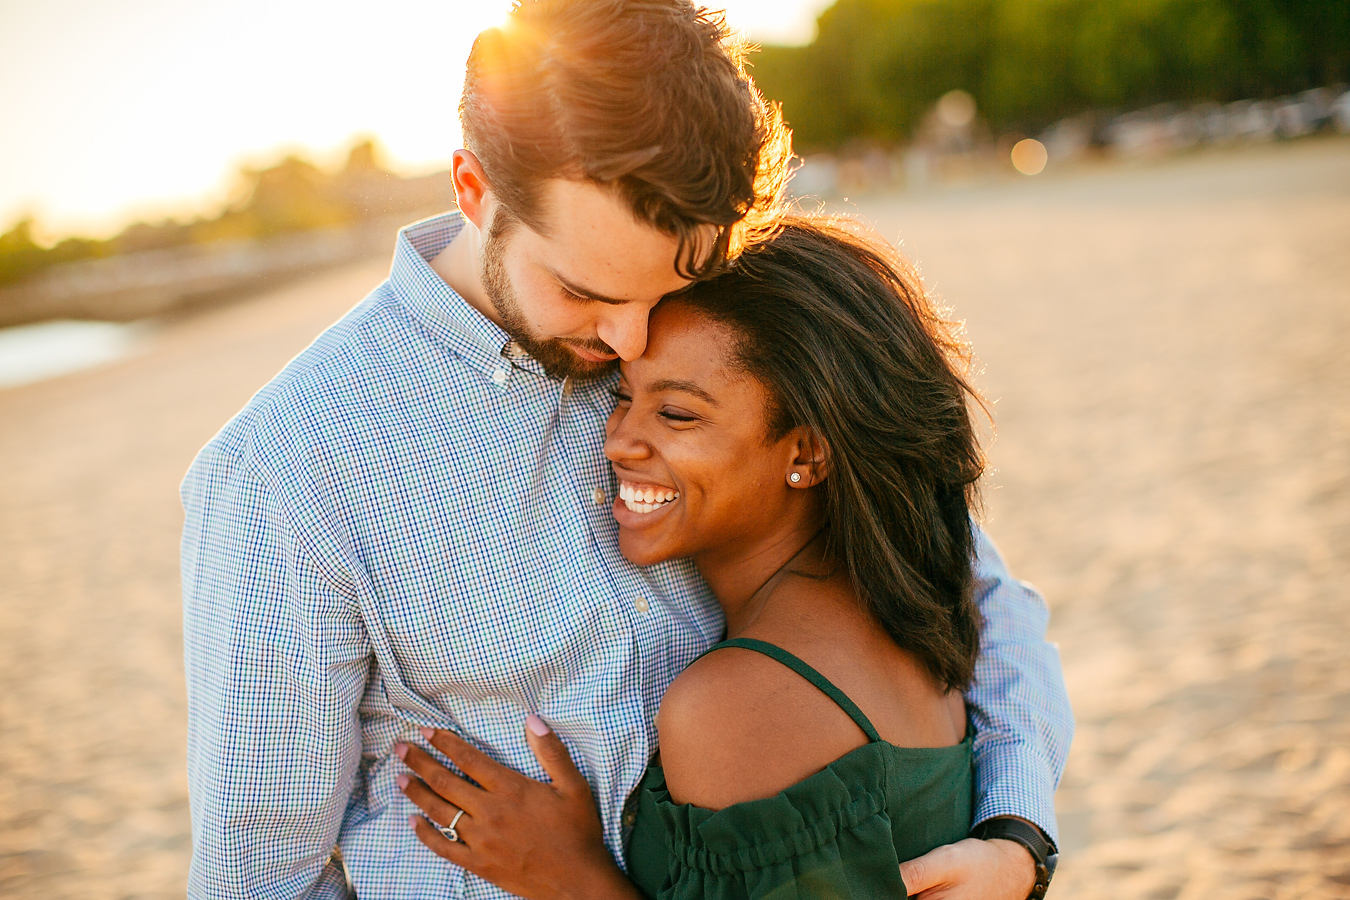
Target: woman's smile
x,y
633,509
645,498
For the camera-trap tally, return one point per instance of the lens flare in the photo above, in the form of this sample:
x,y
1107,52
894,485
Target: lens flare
x,y
1029,156
956,109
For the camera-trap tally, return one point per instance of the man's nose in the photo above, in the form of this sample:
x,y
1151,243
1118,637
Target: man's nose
x,y
625,330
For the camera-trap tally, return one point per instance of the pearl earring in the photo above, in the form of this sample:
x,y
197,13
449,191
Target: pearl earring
x,y
795,477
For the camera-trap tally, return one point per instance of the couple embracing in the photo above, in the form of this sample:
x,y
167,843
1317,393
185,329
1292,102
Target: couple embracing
x,y
619,545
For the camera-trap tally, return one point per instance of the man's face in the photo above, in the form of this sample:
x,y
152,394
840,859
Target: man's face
x,y
577,296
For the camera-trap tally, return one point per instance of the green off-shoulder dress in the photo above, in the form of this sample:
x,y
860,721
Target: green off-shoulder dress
x,y
841,833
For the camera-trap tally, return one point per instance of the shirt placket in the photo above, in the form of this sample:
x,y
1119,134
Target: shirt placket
x,y
581,408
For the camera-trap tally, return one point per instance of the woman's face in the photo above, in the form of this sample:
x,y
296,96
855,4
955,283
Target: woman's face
x,y
689,443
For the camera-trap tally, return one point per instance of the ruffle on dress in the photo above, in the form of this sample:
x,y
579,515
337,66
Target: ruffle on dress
x,y
828,836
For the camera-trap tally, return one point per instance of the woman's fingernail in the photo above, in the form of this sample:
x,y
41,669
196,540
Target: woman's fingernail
x,y
426,732
536,725
402,781
412,822
401,751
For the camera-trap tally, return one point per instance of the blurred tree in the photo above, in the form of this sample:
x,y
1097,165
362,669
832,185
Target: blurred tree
x,y
19,253
1324,26
292,195
1030,75
364,158
877,65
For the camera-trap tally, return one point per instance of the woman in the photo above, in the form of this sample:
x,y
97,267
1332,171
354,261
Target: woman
x,y
800,429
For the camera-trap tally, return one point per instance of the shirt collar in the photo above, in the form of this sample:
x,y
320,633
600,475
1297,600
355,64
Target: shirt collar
x,y
440,308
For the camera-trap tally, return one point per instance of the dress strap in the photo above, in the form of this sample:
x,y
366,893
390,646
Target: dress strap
x,y
801,668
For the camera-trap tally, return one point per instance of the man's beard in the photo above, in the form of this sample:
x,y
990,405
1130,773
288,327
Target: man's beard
x,y
551,353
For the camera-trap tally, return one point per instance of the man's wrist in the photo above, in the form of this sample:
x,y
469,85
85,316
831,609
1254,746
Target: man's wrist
x,y
1037,844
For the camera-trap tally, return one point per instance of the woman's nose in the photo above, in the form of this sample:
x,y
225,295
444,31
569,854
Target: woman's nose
x,y
622,441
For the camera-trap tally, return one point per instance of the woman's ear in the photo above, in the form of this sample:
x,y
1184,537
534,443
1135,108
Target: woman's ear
x,y
473,194
808,465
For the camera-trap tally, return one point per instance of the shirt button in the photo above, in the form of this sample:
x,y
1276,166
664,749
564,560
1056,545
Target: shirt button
x,y
599,497
641,604
500,376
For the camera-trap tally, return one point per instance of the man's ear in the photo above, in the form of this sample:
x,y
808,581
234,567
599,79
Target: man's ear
x,y
809,463
473,194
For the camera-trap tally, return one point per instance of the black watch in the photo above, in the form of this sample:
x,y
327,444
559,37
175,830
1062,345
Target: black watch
x,y
1041,848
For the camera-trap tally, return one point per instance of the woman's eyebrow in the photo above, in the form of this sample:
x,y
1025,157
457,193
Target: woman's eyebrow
x,y
688,387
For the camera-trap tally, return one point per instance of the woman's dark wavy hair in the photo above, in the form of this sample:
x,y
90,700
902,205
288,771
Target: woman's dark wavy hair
x,y
841,332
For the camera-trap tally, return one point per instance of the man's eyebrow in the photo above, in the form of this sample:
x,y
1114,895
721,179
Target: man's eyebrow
x,y
688,387
585,293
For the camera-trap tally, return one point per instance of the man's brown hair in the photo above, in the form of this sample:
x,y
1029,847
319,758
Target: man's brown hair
x,y
647,97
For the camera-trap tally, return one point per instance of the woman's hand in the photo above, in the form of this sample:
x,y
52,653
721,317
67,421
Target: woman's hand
x,y
537,840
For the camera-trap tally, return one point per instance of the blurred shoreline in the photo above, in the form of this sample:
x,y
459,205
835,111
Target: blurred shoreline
x,y
133,286
291,219
51,348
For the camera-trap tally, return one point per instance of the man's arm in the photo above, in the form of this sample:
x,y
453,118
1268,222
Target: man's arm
x,y
1018,700
1023,728
277,660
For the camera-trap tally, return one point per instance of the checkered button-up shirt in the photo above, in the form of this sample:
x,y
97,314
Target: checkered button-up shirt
x,y
410,526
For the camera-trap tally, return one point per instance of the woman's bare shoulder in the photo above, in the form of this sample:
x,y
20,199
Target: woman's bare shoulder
x,y
738,726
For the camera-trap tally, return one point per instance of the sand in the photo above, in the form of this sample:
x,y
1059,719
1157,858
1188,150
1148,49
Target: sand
x,y
1167,346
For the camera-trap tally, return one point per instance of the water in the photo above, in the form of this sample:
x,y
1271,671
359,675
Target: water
x,y
34,352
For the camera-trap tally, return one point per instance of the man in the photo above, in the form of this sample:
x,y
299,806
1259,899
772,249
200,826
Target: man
x,y
410,526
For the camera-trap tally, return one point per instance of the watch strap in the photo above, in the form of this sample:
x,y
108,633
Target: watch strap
x,y
1042,851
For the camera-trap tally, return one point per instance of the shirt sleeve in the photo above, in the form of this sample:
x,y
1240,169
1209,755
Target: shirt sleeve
x,y
277,660
1018,700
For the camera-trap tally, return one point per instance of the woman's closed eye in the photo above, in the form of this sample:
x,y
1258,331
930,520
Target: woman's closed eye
x,y
675,414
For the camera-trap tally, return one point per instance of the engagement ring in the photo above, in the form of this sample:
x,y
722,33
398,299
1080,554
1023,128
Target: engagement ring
x,y
449,830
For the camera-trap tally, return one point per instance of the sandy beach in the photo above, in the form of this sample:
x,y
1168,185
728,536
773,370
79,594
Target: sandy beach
x,y
1168,347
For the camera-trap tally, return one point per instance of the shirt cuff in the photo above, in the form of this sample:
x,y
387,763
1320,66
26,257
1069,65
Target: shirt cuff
x,y
1011,780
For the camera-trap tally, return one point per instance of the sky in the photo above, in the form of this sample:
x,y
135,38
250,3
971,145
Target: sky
x,y
140,109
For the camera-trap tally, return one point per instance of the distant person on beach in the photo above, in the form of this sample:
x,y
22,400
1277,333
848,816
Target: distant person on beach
x,y
410,527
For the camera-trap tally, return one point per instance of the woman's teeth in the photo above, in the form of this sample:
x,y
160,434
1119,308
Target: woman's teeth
x,y
645,499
